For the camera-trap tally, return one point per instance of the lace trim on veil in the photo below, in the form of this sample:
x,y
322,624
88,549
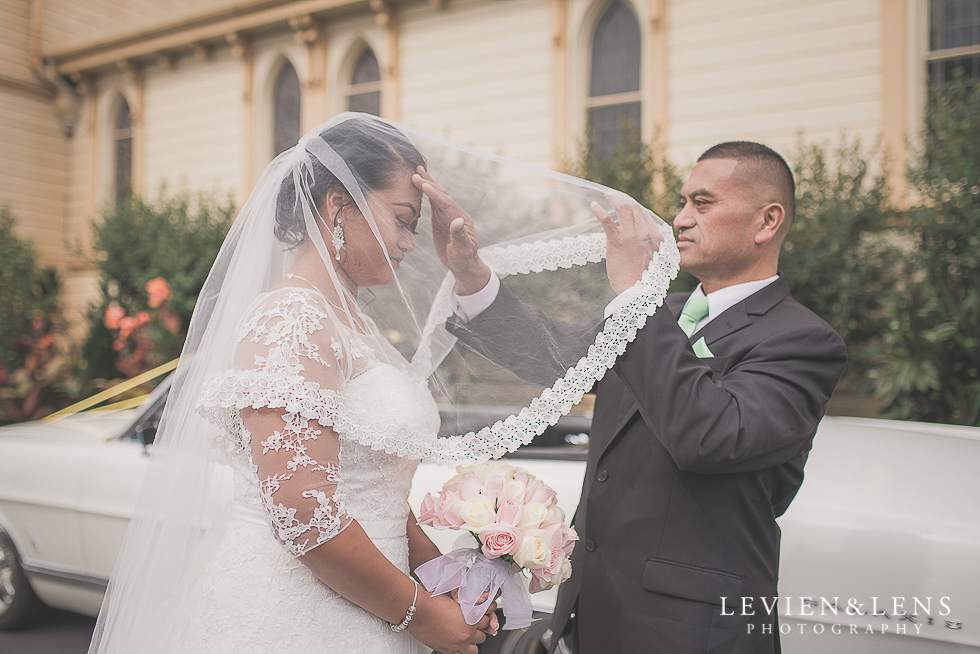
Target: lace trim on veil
x,y
618,331
229,392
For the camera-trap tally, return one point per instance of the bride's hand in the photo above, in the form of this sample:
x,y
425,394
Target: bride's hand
x,y
493,623
439,624
454,235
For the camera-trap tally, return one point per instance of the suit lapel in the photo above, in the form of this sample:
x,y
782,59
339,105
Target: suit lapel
x,y
739,315
735,318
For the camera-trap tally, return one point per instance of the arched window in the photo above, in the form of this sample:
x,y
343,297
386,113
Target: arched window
x,y
364,93
614,83
954,41
286,105
122,145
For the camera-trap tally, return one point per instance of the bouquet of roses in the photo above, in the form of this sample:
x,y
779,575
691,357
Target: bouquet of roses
x,y
522,543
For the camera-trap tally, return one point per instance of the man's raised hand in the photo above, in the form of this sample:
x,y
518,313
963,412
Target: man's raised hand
x,y
630,244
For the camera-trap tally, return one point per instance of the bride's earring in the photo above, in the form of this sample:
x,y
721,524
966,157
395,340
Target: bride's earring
x,y
338,234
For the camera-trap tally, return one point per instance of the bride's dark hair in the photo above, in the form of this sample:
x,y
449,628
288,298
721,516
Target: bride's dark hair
x,y
373,152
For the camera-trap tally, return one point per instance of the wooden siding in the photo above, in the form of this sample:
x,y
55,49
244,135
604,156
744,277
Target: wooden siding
x,y
72,23
32,167
32,170
766,70
480,72
192,126
15,41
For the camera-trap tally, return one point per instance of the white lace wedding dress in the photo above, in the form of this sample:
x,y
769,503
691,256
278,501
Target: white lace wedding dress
x,y
298,370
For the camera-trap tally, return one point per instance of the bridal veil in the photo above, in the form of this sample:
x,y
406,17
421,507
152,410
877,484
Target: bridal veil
x,y
536,231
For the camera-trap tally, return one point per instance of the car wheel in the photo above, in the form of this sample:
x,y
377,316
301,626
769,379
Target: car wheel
x,y
18,603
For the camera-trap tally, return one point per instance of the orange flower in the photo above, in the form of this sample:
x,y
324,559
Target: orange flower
x,y
113,314
142,318
126,327
158,291
170,320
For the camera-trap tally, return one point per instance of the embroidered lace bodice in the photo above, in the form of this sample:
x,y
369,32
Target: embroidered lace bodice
x,y
315,419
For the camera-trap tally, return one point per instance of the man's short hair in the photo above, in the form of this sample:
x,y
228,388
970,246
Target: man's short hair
x,y
759,163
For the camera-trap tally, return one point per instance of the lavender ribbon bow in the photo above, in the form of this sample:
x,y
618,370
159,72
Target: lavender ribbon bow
x,y
474,574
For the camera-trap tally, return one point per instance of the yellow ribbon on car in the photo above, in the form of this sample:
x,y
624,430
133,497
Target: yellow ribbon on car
x,y
113,391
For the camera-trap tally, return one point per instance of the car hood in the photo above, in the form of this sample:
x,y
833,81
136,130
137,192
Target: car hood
x,y
95,426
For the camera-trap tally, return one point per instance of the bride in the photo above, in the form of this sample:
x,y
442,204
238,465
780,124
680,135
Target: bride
x,y
274,516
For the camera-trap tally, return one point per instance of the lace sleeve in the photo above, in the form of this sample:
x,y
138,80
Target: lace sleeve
x,y
283,395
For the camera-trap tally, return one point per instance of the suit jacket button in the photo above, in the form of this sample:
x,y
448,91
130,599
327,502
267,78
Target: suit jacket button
x,y
590,544
603,475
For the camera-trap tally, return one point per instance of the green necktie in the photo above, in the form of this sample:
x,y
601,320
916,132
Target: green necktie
x,y
695,309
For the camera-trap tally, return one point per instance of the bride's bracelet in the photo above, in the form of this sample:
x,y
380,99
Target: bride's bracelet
x,y
408,614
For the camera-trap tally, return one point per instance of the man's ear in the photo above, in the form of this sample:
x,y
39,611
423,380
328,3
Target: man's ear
x,y
773,219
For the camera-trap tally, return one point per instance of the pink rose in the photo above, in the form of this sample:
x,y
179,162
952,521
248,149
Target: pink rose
x,y
563,536
469,486
427,512
499,539
538,491
509,512
558,570
447,514
493,487
524,477
570,536
554,566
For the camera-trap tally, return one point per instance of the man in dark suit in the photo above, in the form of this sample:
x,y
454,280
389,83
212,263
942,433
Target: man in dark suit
x,y
699,437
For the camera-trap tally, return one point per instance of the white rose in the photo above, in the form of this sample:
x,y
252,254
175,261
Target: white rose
x,y
535,550
478,512
562,574
497,468
514,490
533,516
554,514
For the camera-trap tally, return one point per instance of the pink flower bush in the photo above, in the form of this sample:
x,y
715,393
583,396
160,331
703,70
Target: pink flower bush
x,y
139,339
157,292
513,516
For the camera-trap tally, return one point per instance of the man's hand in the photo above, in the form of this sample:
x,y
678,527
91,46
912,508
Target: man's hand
x,y
629,245
454,236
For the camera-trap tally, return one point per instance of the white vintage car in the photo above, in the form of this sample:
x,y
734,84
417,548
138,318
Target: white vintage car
x,y
881,548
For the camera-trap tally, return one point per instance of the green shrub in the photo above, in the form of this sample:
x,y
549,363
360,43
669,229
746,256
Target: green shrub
x,y
930,354
175,238
635,169
32,357
838,257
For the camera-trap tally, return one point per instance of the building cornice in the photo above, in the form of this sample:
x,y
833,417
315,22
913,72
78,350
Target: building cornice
x,y
201,31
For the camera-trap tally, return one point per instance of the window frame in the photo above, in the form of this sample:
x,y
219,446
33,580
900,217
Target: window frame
x,y
119,135
942,54
276,141
362,89
617,99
